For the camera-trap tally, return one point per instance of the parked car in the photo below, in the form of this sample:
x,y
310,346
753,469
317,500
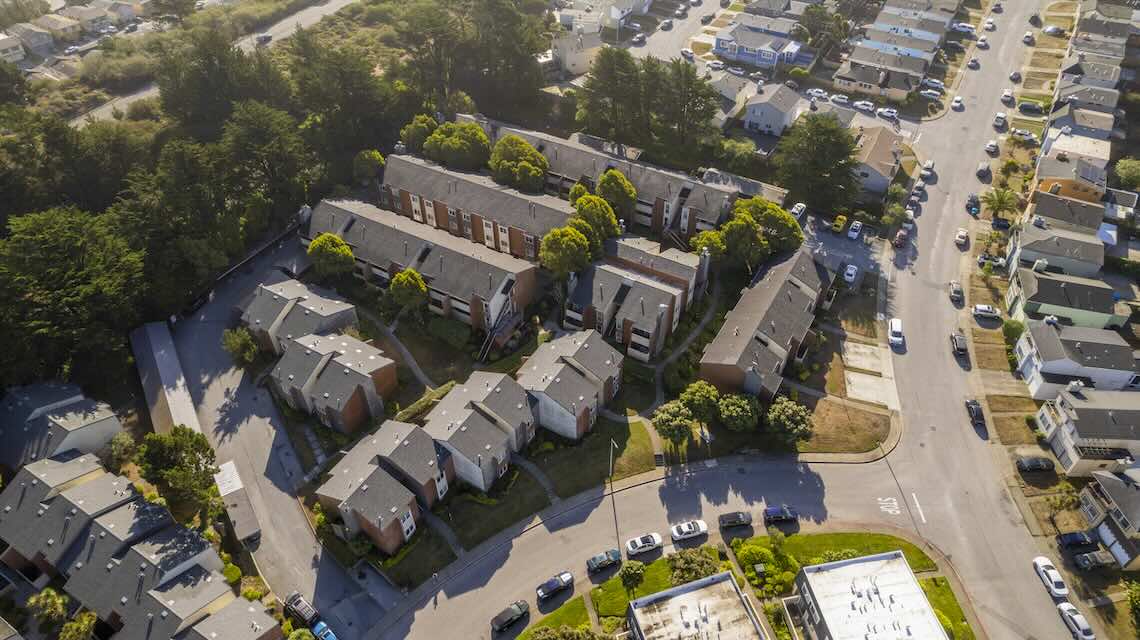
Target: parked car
x,y
974,410
983,170
908,223
1050,577
933,83
647,542
957,104
776,515
930,94
798,210
1015,76
992,147
962,237
999,120
955,45
560,581
839,222
920,186
958,343
1076,542
973,63
681,12
927,170
990,25
1029,107
131,28
997,8
1027,464
792,84
1027,38
1076,622
1007,96
855,230
665,25
298,606
638,39
321,631
864,105
514,612
901,237
895,332
695,3
734,519
850,273
70,51
996,261
986,311
737,71
705,19
956,293
687,54
973,205
1053,30
686,530
1000,223
263,39
605,559
716,65
983,43
839,98
1023,134
963,27
887,112
816,93
1094,560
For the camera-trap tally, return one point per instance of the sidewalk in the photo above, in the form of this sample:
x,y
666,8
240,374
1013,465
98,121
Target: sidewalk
x,y
405,355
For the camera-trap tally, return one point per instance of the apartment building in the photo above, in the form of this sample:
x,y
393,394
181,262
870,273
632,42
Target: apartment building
x,y
43,420
277,313
11,49
1090,429
1051,355
634,310
571,378
1083,302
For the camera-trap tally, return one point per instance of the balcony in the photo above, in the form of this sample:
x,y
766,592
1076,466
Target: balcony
x,y
1048,418
1093,504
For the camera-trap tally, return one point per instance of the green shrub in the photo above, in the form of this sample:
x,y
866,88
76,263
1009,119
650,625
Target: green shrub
x,y
232,574
253,594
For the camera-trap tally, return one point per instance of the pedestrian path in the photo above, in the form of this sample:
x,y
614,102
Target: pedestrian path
x,y
539,475
405,355
446,532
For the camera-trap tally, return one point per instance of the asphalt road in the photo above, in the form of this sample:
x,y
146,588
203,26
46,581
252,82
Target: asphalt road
x,y
243,424
667,44
283,29
944,479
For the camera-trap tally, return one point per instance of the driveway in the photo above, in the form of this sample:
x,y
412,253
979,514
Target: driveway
x,y
243,424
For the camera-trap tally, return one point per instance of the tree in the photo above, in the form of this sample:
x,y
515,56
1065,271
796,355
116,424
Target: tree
x,y
179,8
367,165
1011,330
744,245
739,412
688,565
1000,201
896,193
598,214
514,162
266,156
618,191
82,627
459,102
13,86
49,607
331,255
684,113
817,21
240,345
736,155
674,422
710,239
609,104
563,251
631,574
577,191
433,36
1127,170
301,634
462,146
408,290
893,216
182,463
701,399
814,162
779,227
789,420
416,132
580,225
121,450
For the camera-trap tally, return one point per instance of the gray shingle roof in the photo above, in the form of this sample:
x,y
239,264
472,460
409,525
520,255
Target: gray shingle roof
x,y
1107,415
239,620
779,97
340,365
453,265
878,76
380,498
1067,291
637,297
745,36
900,22
304,307
35,419
406,446
585,349
1087,347
1068,210
1070,165
649,254
474,415
1063,243
1074,65
8,632
900,40
872,57
1124,489
164,610
1086,94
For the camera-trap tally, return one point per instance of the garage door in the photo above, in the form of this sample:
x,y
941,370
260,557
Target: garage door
x,y
1114,547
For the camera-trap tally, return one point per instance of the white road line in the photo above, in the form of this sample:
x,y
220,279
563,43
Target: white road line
x,y
919,506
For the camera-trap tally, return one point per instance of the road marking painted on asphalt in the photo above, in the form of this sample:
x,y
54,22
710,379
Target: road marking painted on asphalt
x,y
889,505
919,506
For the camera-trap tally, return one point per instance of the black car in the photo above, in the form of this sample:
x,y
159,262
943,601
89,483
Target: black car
x,y
512,614
1031,108
555,584
705,19
1000,223
735,519
1034,463
1076,542
782,513
973,204
958,343
974,408
604,559
792,84
297,605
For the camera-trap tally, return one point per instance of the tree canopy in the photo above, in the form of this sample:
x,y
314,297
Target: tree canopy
x,y
408,289
1000,201
673,421
814,161
416,132
739,412
701,398
779,227
580,225
789,421
182,463
516,163
331,255
461,146
599,215
1127,170
563,251
618,191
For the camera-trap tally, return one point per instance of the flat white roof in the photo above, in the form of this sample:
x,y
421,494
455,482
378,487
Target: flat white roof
x,y
227,478
872,598
711,607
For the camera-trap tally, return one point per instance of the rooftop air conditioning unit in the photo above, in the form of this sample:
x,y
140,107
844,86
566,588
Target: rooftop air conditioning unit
x,y
1040,265
1074,386
1039,222
1052,320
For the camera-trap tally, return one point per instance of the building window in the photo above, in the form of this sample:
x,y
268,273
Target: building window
x,y
489,233
504,239
467,225
453,219
529,240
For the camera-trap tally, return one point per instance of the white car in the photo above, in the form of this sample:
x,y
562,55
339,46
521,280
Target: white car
x,y
930,94
816,93
927,170
973,63
1050,577
1076,622
850,273
986,311
999,119
855,230
933,84
716,65
962,237
687,54
957,103
686,530
990,24
839,98
647,542
992,146
887,112
895,332
1053,30
909,223
864,105
1024,134
920,186
737,71
71,50
963,27
798,210
1007,96
1027,38
983,43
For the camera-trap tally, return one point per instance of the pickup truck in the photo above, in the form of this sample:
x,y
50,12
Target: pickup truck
x,y
1093,560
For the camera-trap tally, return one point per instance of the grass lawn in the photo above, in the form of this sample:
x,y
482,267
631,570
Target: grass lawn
x,y
1046,59
572,614
806,546
737,6
855,310
510,364
637,391
574,468
611,598
476,517
992,293
1066,520
439,362
843,429
1116,619
1038,81
426,553
1024,404
1034,126
1012,430
991,356
941,598
1062,7
988,336
1038,483
424,403
828,356
701,48
1045,41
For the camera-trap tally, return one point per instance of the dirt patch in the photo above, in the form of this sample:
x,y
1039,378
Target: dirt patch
x,y
991,293
1041,81
1040,483
1005,404
988,336
701,48
991,356
843,429
1061,7
855,310
1046,59
1051,42
1012,430
721,22
1065,22
1065,520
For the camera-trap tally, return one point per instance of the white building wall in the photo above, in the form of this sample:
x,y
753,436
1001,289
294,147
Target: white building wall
x,y
469,472
555,417
91,438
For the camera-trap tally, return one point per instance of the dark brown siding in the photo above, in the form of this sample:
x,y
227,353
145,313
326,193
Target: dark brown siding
x,y
391,537
518,242
477,228
385,380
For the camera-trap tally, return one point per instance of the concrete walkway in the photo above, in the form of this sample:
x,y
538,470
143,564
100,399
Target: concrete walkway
x,y
538,474
445,531
405,355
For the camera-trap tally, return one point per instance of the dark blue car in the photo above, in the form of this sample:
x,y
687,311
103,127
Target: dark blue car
x,y
782,513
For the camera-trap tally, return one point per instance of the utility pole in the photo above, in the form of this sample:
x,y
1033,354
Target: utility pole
x,y
613,497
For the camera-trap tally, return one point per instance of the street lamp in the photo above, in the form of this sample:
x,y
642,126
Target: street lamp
x,y
613,497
